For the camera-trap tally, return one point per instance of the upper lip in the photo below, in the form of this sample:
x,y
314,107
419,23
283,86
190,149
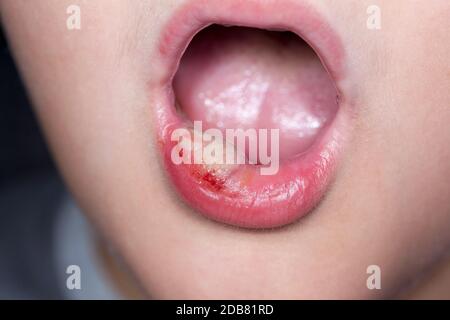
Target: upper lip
x,y
302,192
296,16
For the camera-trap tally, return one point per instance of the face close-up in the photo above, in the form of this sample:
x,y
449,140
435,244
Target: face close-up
x,y
343,188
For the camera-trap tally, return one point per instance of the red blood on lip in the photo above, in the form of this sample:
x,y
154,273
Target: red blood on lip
x,y
213,181
208,178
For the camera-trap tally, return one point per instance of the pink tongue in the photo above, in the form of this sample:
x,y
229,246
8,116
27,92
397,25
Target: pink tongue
x,y
247,78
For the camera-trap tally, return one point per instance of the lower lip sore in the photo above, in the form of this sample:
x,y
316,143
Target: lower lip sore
x,y
249,199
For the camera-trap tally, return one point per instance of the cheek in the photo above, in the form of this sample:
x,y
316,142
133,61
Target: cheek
x,y
400,160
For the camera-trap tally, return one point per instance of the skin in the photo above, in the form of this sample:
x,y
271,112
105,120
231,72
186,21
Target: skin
x,y
389,204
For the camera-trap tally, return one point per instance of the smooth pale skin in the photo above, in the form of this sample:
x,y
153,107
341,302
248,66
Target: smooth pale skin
x,y
389,204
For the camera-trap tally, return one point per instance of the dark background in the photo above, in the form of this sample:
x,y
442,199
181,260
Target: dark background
x,y
30,195
23,152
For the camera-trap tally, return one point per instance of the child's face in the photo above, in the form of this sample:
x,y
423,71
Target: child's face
x,y
388,203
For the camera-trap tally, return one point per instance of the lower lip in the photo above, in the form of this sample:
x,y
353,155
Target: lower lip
x,y
259,201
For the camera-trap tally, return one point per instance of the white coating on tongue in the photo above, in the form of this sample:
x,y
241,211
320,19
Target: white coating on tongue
x,y
248,78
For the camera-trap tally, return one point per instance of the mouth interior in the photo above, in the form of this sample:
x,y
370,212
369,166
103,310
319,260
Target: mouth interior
x,y
248,78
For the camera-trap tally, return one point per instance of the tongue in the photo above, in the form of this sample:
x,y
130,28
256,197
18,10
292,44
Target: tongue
x,y
246,78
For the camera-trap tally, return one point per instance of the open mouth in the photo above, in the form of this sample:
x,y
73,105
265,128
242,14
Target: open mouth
x,y
260,81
